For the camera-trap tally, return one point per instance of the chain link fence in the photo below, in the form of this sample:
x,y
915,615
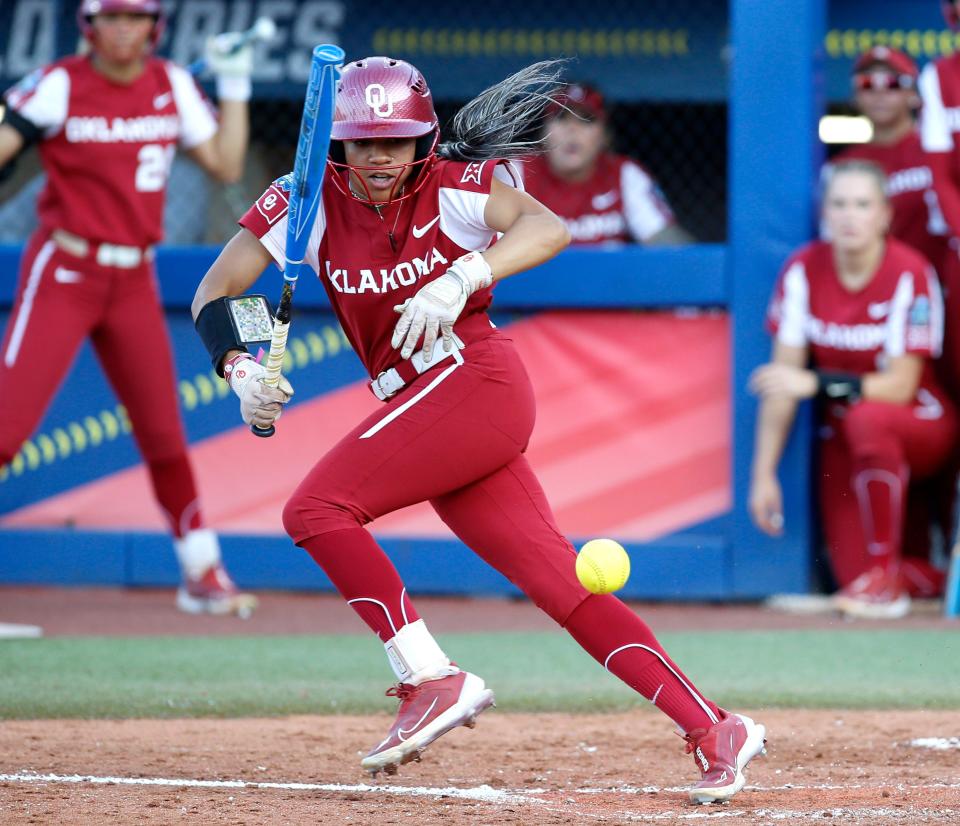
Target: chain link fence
x,y
661,65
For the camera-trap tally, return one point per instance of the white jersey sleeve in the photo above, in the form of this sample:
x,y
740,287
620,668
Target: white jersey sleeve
x,y
792,307
275,241
935,131
461,211
198,123
645,209
267,220
42,98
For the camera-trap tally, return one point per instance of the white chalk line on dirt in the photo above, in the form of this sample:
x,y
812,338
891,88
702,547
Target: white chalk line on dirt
x,y
786,787
936,743
484,793
859,813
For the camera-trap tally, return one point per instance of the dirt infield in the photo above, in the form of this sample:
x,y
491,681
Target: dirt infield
x,y
837,767
822,766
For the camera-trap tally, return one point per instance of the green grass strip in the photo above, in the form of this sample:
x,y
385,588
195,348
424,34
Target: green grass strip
x,y
262,676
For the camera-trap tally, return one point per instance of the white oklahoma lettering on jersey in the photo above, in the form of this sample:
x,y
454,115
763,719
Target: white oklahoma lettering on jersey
x,y
383,280
378,100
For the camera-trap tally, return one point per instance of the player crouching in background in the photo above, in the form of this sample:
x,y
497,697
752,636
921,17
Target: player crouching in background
x,y
108,124
857,322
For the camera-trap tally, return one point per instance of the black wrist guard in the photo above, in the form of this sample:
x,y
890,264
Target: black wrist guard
x,y
215,327
29,131
835,386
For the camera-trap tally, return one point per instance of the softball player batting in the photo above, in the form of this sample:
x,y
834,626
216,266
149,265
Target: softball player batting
x,y
108,124
404,247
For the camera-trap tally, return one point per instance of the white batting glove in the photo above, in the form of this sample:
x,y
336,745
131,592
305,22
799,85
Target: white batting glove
x,y
260,404
231,68
435,307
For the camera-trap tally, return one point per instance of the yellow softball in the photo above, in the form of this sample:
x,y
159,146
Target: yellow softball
x,y
603,566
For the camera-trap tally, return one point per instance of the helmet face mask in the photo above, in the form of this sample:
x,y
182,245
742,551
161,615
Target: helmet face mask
x,y
379,97
89,9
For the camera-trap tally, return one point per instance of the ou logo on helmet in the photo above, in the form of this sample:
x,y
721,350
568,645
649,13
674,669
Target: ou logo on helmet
x,y
378,100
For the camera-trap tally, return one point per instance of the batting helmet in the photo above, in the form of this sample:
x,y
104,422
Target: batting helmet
x,y
950,14
379,97
91,8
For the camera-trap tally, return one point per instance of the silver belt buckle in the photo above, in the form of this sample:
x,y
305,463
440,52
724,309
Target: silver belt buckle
x,y
378,390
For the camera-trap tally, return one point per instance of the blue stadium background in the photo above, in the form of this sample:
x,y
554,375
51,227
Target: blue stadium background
x,y
769,66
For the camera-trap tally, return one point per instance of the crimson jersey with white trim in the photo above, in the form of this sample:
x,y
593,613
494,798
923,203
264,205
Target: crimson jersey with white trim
x,y
107,147
899,312
351,252
917,219
619,202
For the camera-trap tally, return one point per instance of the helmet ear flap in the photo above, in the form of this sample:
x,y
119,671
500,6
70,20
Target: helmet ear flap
x,y
425,144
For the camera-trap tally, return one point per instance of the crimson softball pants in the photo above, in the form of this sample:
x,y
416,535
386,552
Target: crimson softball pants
x,y
868,458
61,300
456,437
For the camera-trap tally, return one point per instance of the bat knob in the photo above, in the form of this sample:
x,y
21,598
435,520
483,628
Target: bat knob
x,y
262,432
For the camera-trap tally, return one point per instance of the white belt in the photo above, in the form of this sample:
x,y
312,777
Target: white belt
x,y
392,381
107,255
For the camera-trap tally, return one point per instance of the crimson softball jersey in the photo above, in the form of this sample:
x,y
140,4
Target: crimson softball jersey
x,y
350,249
899,312
917,218
107,147
619,202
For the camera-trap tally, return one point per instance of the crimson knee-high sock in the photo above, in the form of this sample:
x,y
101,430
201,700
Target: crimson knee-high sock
x,y
365,577
880,485
623,644
176,492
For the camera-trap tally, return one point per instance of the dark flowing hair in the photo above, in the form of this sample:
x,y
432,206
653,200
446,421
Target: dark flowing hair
x,y
502,121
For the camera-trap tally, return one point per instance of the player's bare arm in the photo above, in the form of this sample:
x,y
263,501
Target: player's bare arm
x,y
239,264
532,234
222,156
897,383
774,421
11,142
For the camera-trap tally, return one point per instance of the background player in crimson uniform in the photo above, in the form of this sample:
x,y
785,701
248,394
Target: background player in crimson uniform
x,y
885,91
864,311
939,124
108,125
404,229
600,195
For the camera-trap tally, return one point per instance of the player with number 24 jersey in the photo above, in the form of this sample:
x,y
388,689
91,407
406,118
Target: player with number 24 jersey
x,y
108,124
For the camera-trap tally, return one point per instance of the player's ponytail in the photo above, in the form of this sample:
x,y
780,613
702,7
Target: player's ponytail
x,y
502,121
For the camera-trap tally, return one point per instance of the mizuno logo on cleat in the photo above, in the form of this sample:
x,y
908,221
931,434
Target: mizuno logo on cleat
x,y
703,760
